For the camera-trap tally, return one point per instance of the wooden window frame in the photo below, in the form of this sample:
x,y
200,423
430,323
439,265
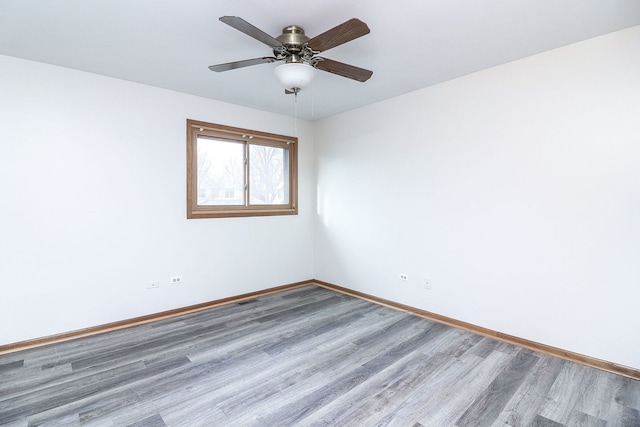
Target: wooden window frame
x,y
248,137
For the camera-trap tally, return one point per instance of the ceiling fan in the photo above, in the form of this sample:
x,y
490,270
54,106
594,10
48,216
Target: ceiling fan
x,y
299,52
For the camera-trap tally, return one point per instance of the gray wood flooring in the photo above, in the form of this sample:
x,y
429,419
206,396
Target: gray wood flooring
x,y
310,357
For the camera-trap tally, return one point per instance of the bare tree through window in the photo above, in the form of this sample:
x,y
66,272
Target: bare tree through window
x,y
267,178
220,172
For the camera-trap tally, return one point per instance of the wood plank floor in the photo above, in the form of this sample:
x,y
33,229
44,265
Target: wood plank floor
x,y
310,357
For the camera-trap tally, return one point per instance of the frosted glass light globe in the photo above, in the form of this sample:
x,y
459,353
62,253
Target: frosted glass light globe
x,y
295,75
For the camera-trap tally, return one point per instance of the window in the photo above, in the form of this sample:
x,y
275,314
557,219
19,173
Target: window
x,y
239,172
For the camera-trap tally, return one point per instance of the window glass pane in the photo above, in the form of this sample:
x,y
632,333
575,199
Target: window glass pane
x,y
220,172
268,175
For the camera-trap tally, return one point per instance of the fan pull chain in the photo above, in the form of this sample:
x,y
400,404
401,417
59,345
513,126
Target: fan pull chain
x,y
295,103
313,97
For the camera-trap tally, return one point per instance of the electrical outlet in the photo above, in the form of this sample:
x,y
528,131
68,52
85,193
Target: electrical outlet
x,y
176,280
153,285
427,283
404,277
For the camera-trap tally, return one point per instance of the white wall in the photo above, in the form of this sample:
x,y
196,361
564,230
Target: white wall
x,y
516,190
92,183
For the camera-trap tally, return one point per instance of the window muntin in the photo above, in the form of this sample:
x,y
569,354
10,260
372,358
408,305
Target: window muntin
x,y
239,172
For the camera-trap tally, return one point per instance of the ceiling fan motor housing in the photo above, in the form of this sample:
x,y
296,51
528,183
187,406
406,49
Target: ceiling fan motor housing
x,y
293,39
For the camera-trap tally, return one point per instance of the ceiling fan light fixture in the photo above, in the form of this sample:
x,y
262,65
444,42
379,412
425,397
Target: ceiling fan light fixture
x,y
295,76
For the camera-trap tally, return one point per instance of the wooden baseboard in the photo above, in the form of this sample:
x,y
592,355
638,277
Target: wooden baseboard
x,y
521,342
23,345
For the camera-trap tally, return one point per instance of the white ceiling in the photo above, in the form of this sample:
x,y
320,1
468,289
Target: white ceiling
x,y
412,44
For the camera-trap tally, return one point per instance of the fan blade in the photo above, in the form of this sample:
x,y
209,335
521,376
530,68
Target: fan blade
x,y
239,64
345,32
242,25
344,70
